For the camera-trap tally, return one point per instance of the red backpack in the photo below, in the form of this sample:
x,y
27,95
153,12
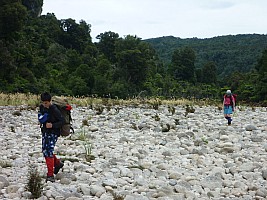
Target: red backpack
x,y
232,98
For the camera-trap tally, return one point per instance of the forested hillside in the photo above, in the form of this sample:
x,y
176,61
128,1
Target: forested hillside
x,y
232,53
42,53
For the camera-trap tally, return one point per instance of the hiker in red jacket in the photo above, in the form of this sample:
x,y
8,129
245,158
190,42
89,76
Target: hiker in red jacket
x,y
51,120
228,106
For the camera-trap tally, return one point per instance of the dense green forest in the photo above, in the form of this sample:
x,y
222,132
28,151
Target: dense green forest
x,y
232,53
42,53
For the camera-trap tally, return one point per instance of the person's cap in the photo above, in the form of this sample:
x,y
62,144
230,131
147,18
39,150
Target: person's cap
x,y
228,92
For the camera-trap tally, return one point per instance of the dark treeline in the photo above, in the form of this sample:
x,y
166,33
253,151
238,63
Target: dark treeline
x,y
42,53
230,53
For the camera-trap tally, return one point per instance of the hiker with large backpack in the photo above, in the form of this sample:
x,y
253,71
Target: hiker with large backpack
x,y
228,106
51,121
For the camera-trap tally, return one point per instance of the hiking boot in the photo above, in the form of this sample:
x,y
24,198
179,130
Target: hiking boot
x,y
50,178
57,168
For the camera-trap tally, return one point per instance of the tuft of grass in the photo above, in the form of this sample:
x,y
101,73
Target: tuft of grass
x,y
85,122
99,110
177,121
171,109
12,129
82,135
87,146
117,109
134,126
189,109
88,151
18,99
219,108
136,115
33,100
156,117
155,103
34,182
105,101
97,103
204,140
241,108
117,196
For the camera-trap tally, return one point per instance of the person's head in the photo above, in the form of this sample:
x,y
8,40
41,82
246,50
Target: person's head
x,y
228,92
46,99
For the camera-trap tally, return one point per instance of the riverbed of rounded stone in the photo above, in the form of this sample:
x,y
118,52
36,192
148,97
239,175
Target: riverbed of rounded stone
x,y
140,153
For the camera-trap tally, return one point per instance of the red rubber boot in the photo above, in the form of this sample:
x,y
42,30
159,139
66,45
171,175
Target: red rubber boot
x,y
58,164
50,169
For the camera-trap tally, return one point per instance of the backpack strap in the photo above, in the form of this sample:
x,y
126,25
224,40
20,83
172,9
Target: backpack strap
x,y
224,97
57,117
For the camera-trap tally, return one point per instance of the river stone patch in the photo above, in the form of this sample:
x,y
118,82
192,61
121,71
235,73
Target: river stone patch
x,y
140,153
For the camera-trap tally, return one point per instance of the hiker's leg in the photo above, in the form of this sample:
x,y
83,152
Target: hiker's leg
x,y
230,115
48,145
56,160
229,120
50,166
57,164
225,111
227,114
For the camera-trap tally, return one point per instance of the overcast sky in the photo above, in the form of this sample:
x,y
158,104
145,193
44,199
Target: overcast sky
x,y
157,18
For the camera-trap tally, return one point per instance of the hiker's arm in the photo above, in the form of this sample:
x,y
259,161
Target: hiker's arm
x,y
59,119
233,103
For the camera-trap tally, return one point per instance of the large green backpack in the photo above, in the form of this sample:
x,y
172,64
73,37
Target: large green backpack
x,y
65,109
